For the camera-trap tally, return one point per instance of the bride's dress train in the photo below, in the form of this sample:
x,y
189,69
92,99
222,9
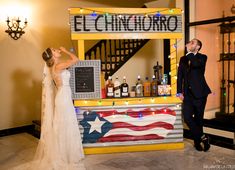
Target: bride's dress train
x,y
60,146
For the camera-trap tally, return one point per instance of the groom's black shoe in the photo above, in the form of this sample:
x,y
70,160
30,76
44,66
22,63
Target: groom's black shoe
x,y
206,143
198,146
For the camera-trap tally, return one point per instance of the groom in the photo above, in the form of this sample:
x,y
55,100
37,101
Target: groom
x,y
193,90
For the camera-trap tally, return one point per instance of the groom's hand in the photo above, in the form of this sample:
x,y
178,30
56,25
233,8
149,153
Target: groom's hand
x,y
181,96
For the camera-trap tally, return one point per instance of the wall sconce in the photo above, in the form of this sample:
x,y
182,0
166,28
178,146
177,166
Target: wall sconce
x,y
15,28
233,9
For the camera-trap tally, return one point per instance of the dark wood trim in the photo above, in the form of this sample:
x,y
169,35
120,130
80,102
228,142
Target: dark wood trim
x,y
167,62
212,21
16,130
222,121
186,22
214,140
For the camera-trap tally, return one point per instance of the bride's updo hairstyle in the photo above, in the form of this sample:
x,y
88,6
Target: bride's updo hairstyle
x,y
47,57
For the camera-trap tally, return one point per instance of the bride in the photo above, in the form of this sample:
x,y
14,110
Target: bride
x,y
60,146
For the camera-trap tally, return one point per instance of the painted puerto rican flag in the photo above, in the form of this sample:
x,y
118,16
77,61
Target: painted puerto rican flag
x,y
121,125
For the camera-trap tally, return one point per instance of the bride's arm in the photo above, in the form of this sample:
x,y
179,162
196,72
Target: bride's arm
x,y
67,63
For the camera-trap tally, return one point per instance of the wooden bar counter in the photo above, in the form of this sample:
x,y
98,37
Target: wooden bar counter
x,y
130,124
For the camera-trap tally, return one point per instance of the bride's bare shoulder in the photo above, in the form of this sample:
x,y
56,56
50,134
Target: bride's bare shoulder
x,y
56,69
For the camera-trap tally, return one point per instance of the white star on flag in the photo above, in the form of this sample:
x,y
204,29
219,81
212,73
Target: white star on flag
x,y
96,125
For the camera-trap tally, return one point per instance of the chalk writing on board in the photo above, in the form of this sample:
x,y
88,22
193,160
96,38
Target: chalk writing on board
x,y
84,79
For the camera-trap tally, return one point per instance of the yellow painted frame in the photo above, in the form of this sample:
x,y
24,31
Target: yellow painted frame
x,y
96,36
127,101
133,148
131,101
173,63
175,11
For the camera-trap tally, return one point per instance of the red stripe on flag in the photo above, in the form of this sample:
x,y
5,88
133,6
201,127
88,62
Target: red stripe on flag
x,y
123,138
142,128
136,114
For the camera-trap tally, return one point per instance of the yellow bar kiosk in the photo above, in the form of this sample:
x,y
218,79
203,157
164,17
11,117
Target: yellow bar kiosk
x,y
110,125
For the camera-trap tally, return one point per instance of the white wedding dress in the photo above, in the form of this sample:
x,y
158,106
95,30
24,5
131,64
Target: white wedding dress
x,y
60,146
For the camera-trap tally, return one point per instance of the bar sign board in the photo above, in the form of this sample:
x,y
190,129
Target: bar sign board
x,y
85,79
128,23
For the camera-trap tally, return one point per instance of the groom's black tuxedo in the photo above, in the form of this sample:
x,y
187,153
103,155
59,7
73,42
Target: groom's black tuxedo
x,y
191,82
191,75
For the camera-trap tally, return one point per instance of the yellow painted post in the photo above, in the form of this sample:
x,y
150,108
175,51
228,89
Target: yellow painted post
x,y
81,50
173,59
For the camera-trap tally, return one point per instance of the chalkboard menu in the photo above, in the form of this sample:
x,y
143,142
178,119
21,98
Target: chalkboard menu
x,y
85,79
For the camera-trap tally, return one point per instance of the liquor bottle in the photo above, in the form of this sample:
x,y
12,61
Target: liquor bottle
x,y
139,88
154,86
147,86
165,79
124,88
132,92
110,88
117,88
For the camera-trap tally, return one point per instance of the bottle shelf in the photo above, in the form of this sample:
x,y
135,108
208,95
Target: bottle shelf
x,y
227,28
231,81
227,56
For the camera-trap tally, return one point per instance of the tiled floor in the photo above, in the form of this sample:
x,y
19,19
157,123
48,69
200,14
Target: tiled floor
x,y
18,149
